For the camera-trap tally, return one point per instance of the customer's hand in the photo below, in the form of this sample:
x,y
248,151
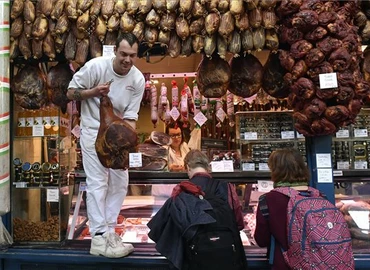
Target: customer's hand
x,y
177,168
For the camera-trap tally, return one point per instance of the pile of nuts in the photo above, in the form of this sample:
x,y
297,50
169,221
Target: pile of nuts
x,y
25,230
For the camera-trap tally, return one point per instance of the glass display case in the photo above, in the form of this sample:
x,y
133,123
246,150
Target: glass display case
x,y
352,198
43,156
351,144
137,210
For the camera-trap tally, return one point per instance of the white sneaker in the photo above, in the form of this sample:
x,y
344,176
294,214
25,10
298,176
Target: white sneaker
x,y
109,245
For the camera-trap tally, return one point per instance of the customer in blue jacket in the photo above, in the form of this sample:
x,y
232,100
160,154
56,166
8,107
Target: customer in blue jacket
x,y
179,218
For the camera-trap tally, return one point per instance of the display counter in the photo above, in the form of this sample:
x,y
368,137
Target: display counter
x,y
137,210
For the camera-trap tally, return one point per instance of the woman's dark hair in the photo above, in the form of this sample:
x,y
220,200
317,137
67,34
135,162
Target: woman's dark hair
x,y
175,125
287,165
129,37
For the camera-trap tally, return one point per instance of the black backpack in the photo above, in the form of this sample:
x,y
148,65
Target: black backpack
x,y
218,245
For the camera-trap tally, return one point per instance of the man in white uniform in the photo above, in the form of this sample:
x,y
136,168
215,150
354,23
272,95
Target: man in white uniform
x,y
118,78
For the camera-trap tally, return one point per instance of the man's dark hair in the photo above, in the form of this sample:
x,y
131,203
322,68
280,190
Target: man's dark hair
x,y
129,37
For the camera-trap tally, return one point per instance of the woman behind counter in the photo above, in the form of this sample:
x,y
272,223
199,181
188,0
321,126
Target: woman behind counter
x,y
178,149
176,154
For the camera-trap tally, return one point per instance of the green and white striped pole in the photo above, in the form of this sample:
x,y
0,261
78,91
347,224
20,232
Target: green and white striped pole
x,y
4,108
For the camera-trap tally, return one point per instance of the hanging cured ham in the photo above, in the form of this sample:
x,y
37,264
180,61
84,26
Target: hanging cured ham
x,y
28,87
116,139
246,78
213,76
57,82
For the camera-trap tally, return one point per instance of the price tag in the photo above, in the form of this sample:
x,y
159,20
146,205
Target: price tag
x,y
38,130
135,160
108,50
200,118
248,167
228,165
287,134
323,160
263,167
342,133
76,131
328,80
299,135
343,165
265,186
52,195
250,135
82,186
221,114
360,165
174,113
222,166
337,173
360,132
20,184
217,166
324,175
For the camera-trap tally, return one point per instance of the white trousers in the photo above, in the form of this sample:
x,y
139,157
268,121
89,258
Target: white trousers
x,y
106,188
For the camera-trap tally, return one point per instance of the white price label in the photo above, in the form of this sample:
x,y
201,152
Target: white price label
x,y
360,133
343,133
250,135
222,166
174,113
76,131
38,130
217,166
337,173
343,165
108,50
200,118
228,165
248,166
287,134
52,195
221,114
323,160
82,186
135,160
360,165
324,176
20,184
328,80
263,167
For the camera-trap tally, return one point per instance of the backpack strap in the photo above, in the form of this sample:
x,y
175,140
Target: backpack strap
x,y
291,192
265,213
263,206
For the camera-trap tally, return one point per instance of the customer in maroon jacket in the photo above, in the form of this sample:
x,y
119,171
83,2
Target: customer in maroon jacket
x,y
288,169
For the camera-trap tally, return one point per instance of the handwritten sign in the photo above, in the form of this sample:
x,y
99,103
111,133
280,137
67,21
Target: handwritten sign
x,y
328,80
135,160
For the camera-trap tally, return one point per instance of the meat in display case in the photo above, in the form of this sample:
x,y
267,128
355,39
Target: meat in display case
x,y
353,200
137,211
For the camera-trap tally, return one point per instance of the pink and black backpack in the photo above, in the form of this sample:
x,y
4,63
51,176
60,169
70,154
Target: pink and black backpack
x,y
318,235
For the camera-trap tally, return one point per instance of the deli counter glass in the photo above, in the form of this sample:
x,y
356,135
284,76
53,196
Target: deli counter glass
x,y
352,198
